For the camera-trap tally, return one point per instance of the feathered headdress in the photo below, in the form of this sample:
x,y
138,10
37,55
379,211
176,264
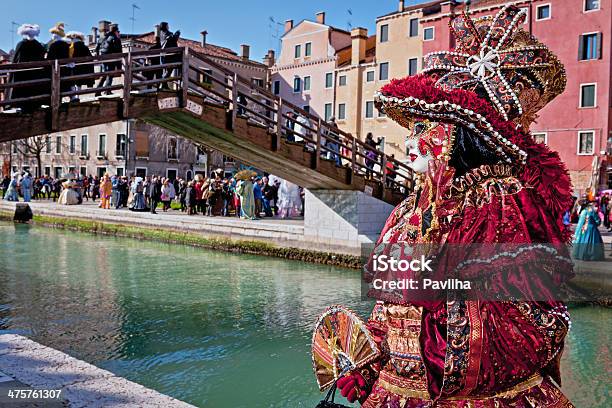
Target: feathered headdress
x,y
29,30
75,35
58,29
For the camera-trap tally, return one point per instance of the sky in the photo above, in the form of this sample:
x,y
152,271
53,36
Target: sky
x,y
229,22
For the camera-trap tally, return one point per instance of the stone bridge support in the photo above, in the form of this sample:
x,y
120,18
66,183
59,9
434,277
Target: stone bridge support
x,y
343,220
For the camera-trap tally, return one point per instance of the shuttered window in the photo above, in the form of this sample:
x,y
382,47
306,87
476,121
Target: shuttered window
x,y
142,144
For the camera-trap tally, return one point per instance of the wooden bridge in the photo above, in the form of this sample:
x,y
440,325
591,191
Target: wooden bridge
x,y
202,101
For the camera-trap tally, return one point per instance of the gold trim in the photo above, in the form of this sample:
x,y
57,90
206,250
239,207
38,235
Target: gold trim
x,y
404,392
519,388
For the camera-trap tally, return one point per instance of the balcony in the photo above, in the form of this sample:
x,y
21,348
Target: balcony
x,y
101,155
84,156
120,154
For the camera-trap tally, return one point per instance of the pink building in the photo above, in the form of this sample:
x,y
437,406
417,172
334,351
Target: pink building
x,y
304,71
578,123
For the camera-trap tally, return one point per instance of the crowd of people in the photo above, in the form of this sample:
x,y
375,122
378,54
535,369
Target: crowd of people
x,y
62,45
246,195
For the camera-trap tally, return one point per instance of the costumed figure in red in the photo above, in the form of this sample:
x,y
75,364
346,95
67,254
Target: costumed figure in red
x,y
481,180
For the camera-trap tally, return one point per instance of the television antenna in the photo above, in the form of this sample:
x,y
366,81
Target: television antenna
x,y
349,23
13,31
133,18
274,33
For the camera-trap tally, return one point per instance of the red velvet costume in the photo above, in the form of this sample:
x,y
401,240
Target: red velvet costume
x,y
476,353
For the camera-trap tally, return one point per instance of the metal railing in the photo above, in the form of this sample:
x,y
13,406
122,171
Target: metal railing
x,y
186,71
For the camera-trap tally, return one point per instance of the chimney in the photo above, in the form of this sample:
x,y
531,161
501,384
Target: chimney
x,y
94,35
103,26
269,59
244,51
288,25
400,8
320,17
157,31
204,33
359,36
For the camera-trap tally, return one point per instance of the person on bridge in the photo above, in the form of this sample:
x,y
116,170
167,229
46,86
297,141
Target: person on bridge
x,y
332,140
110,44
58,49
371,155
28,50
78,49
168,39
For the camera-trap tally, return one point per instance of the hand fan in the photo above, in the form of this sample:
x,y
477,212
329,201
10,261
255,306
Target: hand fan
x,y
341,342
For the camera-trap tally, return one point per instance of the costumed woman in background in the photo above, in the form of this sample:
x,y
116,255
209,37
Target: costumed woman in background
x,y
588,245
289,200
106,191
244,190
69,195
28,50
482,179
138,200
11,192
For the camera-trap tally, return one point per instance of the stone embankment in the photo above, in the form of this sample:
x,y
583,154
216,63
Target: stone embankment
x,y
29,366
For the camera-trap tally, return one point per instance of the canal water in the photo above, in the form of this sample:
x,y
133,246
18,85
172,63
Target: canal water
x,y
210,328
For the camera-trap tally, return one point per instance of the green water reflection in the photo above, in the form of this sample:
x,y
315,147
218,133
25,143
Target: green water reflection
x,y
210,328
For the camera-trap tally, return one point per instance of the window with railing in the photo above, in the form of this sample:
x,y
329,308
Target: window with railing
x,y
72,145
121,146
172,148
84,146
101,146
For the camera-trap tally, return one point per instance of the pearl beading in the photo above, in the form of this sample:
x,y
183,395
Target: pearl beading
x,y
562,312
467,117
497,49
514,254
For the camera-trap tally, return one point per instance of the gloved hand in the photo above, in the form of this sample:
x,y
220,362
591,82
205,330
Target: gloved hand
x,y
352,387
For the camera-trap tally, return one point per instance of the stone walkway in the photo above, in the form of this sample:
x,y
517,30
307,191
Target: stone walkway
x,y
28,365
282,232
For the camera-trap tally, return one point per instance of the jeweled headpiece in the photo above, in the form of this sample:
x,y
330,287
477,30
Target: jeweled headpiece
x,y
496,79
500,61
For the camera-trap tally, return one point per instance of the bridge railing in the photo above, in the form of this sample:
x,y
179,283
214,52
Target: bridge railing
x,y
30,85
292,123
46,84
